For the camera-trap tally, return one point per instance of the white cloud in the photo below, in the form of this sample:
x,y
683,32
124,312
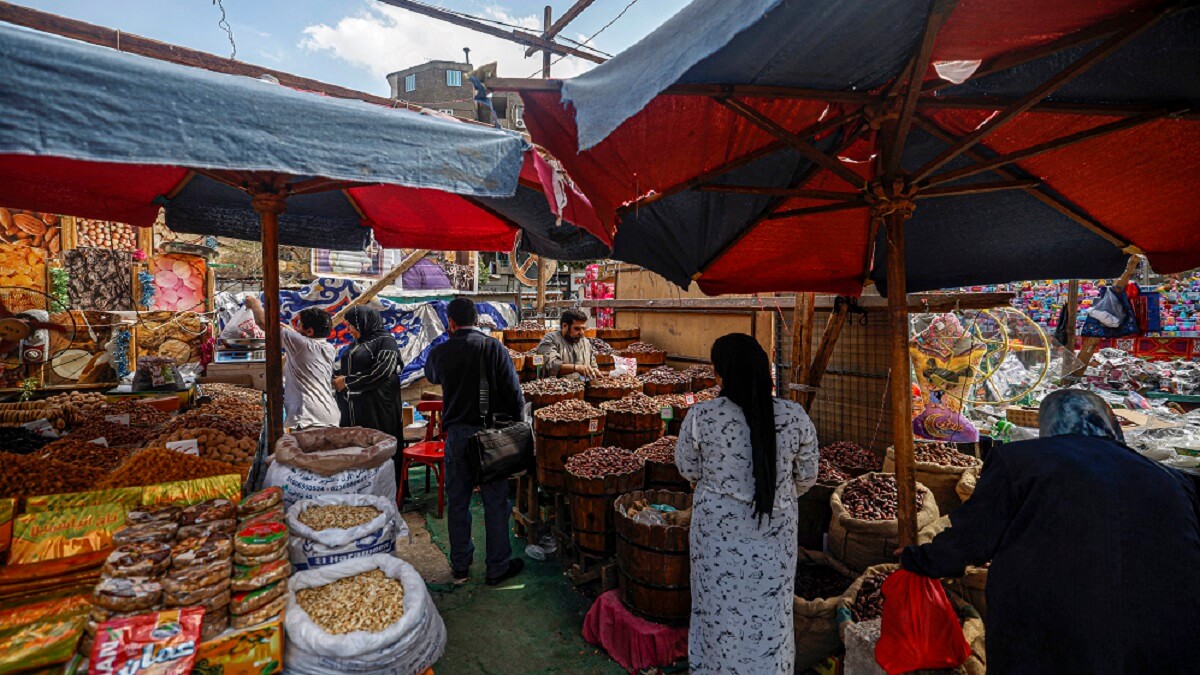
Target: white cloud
x,y
383,39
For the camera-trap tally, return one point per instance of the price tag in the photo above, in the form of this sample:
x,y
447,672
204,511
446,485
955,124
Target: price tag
x,y
593,426
118,419
538,360
667,413
100,441
690,399
41,427
188,447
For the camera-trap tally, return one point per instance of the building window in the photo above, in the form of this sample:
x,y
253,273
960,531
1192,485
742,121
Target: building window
x,y
410,82
453,78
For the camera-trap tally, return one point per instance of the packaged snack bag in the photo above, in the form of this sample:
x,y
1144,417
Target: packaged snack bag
x,y
155,643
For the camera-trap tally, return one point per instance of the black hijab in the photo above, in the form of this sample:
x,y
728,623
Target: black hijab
x,y
746,380
370,326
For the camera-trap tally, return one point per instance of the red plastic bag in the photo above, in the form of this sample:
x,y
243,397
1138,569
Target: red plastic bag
x,y
153,643
920,628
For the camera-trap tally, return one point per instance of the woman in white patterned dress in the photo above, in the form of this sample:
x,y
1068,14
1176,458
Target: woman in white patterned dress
x,y
751,455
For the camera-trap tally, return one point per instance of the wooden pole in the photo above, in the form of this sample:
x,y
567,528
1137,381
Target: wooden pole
x,y
384,281
269,205
899,383
820,362
1072,313
547,27
802,336
541,287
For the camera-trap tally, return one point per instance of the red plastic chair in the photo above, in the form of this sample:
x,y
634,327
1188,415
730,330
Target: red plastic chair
x,y
431,452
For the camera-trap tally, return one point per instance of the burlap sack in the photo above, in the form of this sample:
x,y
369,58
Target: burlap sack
x,y
815,622
859,544
941,480
327,451
927,533
972,588
845,618
966,484
973,631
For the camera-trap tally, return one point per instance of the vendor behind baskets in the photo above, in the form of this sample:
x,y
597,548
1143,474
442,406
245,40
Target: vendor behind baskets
x,y
568,352
1094,550
455,364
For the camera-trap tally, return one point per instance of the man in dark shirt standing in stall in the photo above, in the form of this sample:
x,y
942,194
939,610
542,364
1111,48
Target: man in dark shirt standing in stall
x,y
455,364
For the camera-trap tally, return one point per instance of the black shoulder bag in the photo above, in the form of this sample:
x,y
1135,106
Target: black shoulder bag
x,y
505,446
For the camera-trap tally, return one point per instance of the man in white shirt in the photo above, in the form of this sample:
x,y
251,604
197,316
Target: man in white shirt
x,y
308,373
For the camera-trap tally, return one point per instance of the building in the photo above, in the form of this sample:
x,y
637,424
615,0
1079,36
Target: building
x,y
446,86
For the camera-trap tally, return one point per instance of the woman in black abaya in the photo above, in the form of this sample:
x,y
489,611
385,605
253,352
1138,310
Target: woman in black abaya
x,y
367,382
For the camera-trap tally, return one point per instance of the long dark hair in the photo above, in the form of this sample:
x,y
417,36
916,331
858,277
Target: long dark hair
x,y
746,380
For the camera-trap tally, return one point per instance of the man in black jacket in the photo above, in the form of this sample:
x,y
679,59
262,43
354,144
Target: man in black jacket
x,y
455,364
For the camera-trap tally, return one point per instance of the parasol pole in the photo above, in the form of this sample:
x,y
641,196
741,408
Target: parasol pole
x,y
384,281
269,204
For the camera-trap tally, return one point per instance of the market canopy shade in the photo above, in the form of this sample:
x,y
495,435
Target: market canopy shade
x,y
750,146
94,132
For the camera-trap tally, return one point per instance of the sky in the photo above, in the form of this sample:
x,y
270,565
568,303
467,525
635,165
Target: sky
x,y
356,43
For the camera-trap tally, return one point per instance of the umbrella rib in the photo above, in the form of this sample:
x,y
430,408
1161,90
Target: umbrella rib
x,y
313,185
1069,210
803,147
978,188
897,135
698,181
826,208
832,195
1048,87
1041,148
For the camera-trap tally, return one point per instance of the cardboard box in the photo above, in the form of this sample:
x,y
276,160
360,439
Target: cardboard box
x,y
257,650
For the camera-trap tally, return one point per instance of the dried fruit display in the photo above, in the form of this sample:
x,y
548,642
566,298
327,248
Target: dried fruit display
x,y
29,475
175,335
664,375
874,497
180,282
105,234
84,454
601,462
641,348
818,582
829,473
100,279
23,267
629,382
112,432
708,394
140,414
231,392
199,419
16,415
370,602
677,401
515,354
661,451
552,386
21,441
570,410
530,326
339,516
601,347
634,404
701,372
160,465
851,457
943,453
31,229
868,604
214,444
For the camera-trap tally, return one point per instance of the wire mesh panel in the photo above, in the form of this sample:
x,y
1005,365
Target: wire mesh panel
x,y
852,403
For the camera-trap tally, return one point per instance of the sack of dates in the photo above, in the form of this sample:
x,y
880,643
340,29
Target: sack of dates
x,y
859,613
939,467
821,584
864,530
332,528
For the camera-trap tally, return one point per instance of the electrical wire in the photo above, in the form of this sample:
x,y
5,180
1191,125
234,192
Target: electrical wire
x,y
224,24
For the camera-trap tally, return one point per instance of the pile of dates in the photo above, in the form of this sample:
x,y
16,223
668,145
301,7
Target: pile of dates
x,y
570,410
601,347
661,451
551,386
944,454
641,348
818,582
20,441
634,404
873,497
829,474
851,457
617,382
869,603
529,325
601,462
664,375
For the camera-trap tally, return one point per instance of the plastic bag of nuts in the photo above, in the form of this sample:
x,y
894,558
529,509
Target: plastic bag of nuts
x,y
864,530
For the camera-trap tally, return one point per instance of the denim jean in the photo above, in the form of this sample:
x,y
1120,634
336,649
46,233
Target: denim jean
x,y
496,508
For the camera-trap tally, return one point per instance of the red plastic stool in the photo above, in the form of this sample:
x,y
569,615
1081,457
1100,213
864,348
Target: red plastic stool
x,y
430,452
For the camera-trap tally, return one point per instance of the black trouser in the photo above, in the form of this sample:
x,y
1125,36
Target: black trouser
x,y
496,508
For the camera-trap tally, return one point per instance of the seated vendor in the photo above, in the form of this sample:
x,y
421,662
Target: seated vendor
x,y
566,350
